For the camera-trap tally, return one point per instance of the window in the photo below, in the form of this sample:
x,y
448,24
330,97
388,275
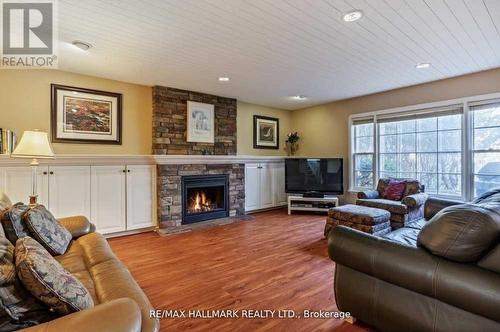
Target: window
x,y
486,146
426,146
363,152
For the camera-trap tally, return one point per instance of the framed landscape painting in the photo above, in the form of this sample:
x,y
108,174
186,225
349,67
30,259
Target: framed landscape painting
x,y
85,116
265,132
200,122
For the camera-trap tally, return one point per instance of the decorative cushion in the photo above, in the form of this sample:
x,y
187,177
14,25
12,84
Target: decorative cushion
x,y
394,191
13,224
48,281
20,308
47,230
462,233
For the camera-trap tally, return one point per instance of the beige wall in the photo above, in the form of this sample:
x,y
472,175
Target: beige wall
x,y
245,128
25,104
324,128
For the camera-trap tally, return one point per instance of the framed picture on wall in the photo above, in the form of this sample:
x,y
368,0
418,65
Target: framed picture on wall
x,y
265,132
85,116
200,122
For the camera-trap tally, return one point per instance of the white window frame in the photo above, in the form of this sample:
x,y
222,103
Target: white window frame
x,y
467,132
352,145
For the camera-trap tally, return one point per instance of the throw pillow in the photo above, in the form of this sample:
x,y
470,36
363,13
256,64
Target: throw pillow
x,y
47,230
48,281
18,307
13,224
394,190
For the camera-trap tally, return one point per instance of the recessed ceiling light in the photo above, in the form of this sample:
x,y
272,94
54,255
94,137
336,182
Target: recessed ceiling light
x,y
352,16
299,97
422,65
223,79
82,45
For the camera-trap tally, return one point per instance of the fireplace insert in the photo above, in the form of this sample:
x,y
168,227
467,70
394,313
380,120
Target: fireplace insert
x,y
204,197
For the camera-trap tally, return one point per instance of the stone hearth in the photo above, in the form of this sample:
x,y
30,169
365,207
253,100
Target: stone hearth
x,y
169,186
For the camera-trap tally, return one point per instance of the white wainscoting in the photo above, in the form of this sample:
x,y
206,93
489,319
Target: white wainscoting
x,y
118,193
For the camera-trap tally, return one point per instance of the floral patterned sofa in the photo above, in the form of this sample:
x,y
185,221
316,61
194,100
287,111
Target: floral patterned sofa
x,y
410,208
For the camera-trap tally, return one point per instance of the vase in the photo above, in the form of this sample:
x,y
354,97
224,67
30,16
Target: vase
x,y
291,148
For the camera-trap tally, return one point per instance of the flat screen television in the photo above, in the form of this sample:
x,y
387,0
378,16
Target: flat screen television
x,y
323,176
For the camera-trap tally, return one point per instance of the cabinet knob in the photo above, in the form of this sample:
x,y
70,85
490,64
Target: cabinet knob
x,y
45,173
128,170
124,171
51,173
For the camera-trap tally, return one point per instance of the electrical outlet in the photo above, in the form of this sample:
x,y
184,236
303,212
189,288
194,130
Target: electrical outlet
x,y
168,201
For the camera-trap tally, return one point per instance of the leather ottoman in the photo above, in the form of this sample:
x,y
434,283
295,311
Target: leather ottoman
x,y
366,219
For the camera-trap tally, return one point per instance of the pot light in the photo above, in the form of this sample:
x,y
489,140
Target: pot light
x,y
299,97
223,79
82,45
352,16
422,65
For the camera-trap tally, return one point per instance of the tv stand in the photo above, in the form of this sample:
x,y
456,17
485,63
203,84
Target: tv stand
x,y
312,204
313,194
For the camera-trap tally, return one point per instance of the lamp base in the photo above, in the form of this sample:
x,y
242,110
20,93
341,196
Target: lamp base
x,y
33,200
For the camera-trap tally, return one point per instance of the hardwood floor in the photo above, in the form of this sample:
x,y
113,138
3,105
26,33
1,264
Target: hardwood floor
x,y
274,262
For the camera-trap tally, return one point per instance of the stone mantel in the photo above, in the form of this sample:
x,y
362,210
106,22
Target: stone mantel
x,y
6,160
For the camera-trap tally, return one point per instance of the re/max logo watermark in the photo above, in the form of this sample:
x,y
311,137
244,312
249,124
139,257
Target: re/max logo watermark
x,y
28,34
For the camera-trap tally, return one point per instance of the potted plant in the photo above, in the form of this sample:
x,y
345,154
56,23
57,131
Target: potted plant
x,y
292,144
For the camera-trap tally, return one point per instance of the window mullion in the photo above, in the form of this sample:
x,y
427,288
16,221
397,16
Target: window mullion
x,y
376,149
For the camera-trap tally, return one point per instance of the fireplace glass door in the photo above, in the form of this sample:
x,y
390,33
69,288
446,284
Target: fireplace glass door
x,y
204,197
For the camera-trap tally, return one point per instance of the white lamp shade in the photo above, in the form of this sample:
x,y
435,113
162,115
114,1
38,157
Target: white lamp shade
x,y
33,144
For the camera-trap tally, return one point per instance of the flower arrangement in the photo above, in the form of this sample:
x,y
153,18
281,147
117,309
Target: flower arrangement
x,y
292,138
292,143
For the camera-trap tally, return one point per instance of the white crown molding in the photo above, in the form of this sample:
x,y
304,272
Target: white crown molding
x,y
64,159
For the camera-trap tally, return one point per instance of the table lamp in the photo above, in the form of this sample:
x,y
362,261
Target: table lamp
x,y
33,144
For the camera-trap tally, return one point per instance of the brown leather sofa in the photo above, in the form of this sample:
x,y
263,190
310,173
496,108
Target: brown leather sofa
x,y
439,273
120,304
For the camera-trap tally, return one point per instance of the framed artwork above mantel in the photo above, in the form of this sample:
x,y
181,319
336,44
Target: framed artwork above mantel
x,y
80,115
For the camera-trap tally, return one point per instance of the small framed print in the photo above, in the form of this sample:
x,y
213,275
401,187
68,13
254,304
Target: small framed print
x,y
265,132
85,116
200,122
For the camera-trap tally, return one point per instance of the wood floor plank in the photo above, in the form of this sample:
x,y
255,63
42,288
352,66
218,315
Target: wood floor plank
x,y
273,262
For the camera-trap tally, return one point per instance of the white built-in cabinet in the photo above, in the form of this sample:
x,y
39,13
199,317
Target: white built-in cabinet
x,y
115,198
264,186
141,180
69,190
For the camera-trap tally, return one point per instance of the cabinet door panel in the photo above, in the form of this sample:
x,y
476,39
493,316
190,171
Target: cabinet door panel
x,y
140,198
252,184
69,191
108,198
15,181
279,184
266,186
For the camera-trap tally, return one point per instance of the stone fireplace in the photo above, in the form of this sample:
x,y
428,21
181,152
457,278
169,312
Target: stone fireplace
x,y
204,197
172,187
184,192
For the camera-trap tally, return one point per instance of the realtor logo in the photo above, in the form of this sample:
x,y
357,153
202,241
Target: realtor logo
x,y
28,34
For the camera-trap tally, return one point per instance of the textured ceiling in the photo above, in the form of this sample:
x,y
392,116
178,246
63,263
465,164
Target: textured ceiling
x,y
274,49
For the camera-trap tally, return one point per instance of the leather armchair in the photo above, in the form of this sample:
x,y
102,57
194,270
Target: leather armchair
x,y
440,273
410,207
